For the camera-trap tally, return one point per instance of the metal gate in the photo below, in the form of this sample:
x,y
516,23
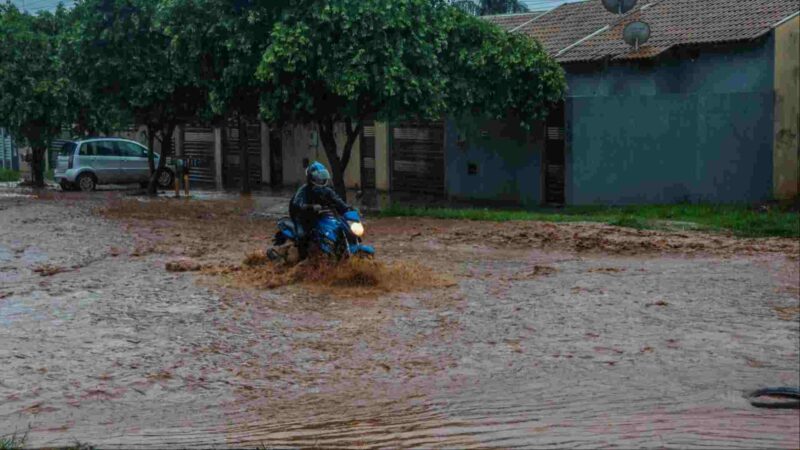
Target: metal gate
x,y
367,149
418,158
8,152
231,157
198,144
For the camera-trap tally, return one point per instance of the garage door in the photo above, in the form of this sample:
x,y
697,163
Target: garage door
x,y
232,172
198,145
418,158
367,148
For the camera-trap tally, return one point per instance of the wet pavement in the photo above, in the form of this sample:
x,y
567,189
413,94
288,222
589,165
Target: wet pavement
x,y
538,344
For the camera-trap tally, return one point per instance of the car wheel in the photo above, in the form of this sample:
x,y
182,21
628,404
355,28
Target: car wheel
x,y
165,179
86,182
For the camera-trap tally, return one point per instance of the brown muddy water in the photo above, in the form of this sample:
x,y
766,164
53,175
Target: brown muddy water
x,y
540,335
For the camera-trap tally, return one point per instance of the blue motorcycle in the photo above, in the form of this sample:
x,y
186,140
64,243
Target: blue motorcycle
x,y
336,236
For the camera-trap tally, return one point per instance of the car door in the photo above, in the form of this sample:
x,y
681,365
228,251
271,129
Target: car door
x,y
134,161
108,162
88,159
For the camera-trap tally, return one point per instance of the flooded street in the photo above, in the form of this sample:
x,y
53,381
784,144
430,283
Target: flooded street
x,y
525,334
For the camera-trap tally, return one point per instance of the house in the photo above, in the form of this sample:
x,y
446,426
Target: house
x,y
705,110
277,156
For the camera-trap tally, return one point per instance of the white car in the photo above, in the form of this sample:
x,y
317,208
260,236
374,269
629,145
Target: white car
x,y
84,164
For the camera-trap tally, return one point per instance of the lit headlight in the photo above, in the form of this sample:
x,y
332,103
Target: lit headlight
x,y
357,228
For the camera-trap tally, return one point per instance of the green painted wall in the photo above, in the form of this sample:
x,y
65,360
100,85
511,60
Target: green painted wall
x,y
693,126
669,148
505,158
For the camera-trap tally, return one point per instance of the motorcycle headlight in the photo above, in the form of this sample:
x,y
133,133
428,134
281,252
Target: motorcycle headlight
x,y
357,229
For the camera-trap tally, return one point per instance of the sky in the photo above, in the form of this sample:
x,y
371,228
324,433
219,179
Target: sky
x,y
544,4
39,5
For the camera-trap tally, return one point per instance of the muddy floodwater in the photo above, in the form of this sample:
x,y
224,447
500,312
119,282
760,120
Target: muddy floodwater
x,y
522,334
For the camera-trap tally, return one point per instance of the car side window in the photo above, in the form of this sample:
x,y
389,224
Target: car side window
x,y
132,150
68,149
89,149
107,148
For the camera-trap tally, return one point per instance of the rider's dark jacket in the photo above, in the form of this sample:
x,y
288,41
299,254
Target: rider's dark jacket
x,y
301,207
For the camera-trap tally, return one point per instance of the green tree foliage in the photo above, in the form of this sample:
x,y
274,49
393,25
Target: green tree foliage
x,y
34,92
487,7
222,41
349,60
500,75
118,51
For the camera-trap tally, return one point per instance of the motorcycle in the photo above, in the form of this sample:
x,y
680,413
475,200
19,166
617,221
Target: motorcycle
x,y
337,236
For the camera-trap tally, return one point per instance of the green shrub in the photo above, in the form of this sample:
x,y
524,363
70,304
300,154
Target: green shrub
x,y
9,175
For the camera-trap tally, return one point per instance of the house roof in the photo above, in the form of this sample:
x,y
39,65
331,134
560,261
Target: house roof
x,y
511,22
585,31
568,24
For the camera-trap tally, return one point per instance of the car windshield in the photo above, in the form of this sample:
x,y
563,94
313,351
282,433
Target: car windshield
x,y
67,149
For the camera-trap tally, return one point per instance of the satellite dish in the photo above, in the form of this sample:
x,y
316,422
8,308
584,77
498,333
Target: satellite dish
x,y
619,6
636,33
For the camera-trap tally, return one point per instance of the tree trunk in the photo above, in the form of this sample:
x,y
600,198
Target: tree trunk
x,y
352,135
37,166
151,141
329,144
245,157
166,148
338,165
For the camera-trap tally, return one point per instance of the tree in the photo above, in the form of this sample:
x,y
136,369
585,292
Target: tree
x,y
118,51
33,90
487,7
223,42
89,115
500,75
349,60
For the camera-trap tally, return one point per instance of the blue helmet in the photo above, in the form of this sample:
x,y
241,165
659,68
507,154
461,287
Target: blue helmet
x,y
317,174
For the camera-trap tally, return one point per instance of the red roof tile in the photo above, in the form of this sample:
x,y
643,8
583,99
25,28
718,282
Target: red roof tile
x,y
509,22
567,24
567,31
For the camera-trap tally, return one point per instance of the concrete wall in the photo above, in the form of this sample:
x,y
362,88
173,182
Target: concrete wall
x,y
506,160
300,141
787,109
138,134
691,126
669,148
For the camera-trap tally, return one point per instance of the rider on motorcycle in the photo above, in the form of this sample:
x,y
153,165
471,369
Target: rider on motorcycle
x,y
309,200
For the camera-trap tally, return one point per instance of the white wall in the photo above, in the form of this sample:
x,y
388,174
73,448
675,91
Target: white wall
x,y
298,142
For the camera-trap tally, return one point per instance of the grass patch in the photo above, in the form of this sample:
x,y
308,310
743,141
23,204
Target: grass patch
x,y
740,220
629,221
8,175
13,442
